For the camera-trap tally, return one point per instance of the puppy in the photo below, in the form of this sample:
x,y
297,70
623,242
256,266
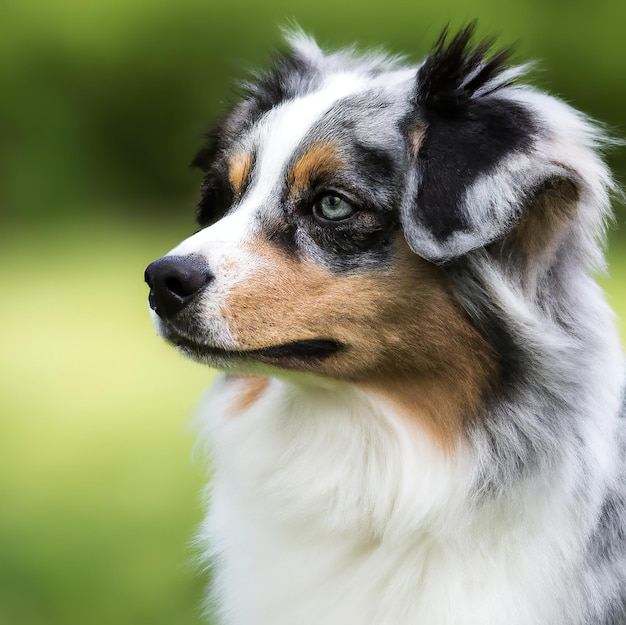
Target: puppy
x,y
421,415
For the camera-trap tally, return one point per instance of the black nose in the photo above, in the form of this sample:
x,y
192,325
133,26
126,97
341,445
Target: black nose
x,y
174,281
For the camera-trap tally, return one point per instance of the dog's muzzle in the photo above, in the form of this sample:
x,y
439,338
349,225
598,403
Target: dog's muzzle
x,y
174,282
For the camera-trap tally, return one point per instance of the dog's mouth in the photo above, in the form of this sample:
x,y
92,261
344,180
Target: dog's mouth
x,y
283,354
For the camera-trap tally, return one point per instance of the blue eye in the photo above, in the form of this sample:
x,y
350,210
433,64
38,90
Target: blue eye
x,y
333,208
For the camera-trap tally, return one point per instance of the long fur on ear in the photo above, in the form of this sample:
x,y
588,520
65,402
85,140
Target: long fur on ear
x,y
481,146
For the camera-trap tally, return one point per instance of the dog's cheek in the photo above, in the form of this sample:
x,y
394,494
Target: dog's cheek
x,y
283,300
287,299
400,310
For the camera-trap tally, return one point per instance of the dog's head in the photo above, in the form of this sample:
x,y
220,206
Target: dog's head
x,y
338,193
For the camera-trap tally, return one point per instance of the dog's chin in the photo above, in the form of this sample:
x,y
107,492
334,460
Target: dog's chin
x,y
307,354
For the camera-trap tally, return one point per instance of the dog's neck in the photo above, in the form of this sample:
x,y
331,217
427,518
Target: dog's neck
x,y
330,505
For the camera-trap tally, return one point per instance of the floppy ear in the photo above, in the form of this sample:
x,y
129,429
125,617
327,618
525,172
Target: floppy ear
x,y
474,145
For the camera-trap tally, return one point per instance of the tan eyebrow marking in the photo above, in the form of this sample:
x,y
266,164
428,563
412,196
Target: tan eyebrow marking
x,y
239,168
322,158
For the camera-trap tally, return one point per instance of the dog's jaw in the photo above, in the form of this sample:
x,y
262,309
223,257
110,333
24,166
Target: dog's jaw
x,y
294,355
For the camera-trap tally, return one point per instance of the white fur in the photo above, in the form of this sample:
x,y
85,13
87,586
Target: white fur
x,y
327,507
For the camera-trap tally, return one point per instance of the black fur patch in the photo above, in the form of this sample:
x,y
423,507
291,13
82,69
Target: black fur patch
x,y
453,72
377,167
216,195
282,233
458,149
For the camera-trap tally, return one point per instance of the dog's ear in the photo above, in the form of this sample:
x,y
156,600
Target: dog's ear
x,y
473,144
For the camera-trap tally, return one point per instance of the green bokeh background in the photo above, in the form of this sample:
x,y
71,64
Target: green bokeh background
x,y
102,105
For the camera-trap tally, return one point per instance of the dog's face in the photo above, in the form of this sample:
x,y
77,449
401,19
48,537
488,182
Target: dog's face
x,y
335,195
309,268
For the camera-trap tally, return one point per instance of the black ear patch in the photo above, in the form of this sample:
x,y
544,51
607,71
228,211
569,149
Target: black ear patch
x,y
470,129
455,72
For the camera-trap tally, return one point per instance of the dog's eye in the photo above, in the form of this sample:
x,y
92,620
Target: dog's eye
x,y
333,208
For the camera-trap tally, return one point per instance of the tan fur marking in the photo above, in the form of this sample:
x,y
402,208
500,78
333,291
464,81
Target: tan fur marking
x,y
322,158
539,229
538,234
406,338
445,391
250,388
239,168
416,138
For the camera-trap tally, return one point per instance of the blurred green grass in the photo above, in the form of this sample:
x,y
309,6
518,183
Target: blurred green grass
x,y
99,494
614,280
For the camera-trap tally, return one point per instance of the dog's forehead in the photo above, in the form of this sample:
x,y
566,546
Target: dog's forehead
x,y
281,132
353,104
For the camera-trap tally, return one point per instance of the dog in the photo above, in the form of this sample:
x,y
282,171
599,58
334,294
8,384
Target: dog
x,y
420,419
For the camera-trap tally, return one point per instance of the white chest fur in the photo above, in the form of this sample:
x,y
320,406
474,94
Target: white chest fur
x,y
327,507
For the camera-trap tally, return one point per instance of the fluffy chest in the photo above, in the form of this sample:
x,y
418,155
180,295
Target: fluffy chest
x,y
337,511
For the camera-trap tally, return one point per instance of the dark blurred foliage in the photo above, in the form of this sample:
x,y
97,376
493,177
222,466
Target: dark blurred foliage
x,y
103,104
